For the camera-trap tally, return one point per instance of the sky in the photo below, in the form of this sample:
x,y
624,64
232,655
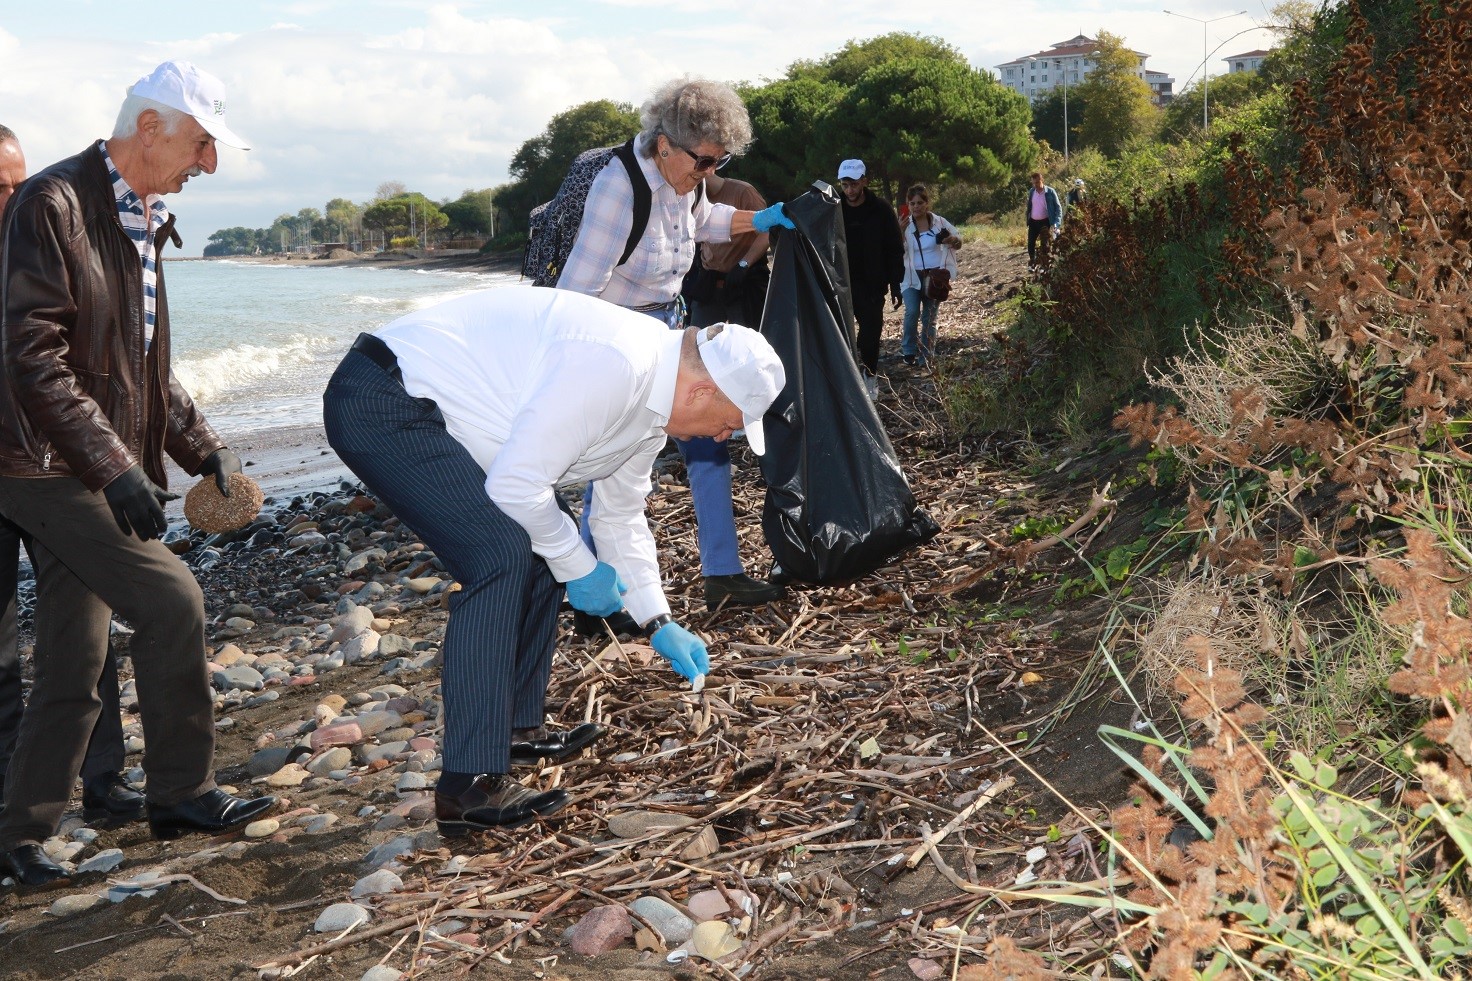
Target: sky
x,y
339,97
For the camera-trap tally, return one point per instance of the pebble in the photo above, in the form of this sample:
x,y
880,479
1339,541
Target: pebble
x,y
423,584
229,654
264,762
67,905
714,939
392,645
103,861
337,734
264,828
352,623
360,646
411,783
336,758
382,972
601,929
241,676
376,884
319,824
372,723
341,916
290,775
673,925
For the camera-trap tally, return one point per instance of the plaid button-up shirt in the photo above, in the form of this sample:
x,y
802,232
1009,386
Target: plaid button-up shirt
x,y
140,221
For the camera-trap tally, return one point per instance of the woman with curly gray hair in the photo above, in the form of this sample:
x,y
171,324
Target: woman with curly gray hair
x,y
690,129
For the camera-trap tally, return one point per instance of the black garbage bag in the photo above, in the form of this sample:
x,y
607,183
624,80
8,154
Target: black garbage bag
x,y
838,506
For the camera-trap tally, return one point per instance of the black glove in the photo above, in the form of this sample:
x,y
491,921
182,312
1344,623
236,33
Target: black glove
x,y
137,503
943,234
736,276
221,463
895,297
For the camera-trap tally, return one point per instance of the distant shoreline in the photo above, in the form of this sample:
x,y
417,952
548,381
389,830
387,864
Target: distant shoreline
x,y
437,259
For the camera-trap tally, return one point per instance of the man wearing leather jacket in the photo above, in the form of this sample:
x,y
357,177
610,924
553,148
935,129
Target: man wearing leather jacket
x,y
88,407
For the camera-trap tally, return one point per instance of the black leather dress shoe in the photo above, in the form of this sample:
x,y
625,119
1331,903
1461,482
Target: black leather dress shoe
x,y
493,801
111,800
587,625
31,867
740,590
537,745
213,813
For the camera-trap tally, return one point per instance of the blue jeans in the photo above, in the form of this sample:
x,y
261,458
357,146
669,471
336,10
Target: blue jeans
x,y
922,311
503,621
708,464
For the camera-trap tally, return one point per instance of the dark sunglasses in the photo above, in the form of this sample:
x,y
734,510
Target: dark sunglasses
x,y
705,161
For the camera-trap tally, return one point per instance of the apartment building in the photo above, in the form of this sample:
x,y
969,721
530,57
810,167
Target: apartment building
x,y
1068,63
1249,61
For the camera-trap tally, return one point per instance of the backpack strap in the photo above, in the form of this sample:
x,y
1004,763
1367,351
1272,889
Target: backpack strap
x,y
643,199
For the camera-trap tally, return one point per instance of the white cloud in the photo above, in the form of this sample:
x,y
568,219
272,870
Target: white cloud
x,y
337,98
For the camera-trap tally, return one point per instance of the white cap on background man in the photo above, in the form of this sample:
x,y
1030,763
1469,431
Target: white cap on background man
x,y
179,85
851,170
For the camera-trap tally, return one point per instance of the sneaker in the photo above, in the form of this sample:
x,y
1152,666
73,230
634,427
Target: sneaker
x,y
910,360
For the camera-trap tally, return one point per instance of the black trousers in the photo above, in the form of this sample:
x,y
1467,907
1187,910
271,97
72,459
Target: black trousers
x,y
869,312
105,748
86,569
1038,229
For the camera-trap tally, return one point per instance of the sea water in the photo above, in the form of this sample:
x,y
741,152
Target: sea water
x,y
254,343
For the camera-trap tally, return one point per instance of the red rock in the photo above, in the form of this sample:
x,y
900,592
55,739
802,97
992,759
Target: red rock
x,y
361,504
419,743
351,586
601,929
341,734
304,679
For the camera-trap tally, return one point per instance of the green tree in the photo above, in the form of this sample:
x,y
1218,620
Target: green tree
x,y
407,214
470,213
340,220
1118,100
1048,116
281,236
856,58
784,157
540,163
234,241
931,120
1182,117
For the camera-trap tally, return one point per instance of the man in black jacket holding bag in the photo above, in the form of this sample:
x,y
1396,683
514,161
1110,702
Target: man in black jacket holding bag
x,y
876,262
88,407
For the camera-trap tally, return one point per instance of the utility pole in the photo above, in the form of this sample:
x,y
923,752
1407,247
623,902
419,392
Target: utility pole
x,y
1205,71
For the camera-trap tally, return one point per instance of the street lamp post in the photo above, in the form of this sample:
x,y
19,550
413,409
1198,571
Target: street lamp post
x,y
1205,71
1064,72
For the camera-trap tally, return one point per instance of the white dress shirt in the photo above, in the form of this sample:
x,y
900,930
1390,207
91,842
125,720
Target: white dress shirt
x,y
658,264
546,387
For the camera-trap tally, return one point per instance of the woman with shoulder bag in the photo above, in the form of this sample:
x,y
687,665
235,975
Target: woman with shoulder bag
x,y
930,264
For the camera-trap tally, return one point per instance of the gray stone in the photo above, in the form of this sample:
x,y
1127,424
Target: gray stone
x,y
673,925
359,646
369,753
389,851
374,722
382,972
371,592
337,758
341,916
352,623
376,884
361,561
241,676
411,783
392,645
103,861
67,905
319,824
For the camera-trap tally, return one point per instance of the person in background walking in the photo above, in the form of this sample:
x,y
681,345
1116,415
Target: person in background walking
x,y
1076,193
930,243
876,262
1044,218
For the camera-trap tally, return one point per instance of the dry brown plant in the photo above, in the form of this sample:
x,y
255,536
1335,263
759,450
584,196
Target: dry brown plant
x,y
1243,626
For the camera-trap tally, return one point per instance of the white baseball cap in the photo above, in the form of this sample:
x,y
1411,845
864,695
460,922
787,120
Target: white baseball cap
x,y
179,85
746,370
851,170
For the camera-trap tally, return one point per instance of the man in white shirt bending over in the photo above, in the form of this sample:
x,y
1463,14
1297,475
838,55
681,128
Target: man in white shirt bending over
x,y
464,418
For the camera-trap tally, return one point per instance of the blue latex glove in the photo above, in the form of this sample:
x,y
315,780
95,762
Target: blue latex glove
x,y
684,650
769,218
600,592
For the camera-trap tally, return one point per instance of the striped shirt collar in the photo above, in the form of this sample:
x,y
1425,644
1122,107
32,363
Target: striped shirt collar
x,y
141,226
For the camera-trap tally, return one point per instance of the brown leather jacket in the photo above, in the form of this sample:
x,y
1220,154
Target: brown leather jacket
x,y
78,395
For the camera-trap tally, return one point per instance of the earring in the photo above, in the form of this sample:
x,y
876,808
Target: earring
x,y
664,153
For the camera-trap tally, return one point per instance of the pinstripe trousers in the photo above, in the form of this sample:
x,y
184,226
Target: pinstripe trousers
x,y
503,620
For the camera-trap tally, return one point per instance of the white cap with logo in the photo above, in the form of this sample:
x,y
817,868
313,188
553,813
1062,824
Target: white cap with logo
x,y
179,85
746,370
851,170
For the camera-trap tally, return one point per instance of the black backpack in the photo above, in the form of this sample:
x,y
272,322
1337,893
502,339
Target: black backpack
x,y
554,224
